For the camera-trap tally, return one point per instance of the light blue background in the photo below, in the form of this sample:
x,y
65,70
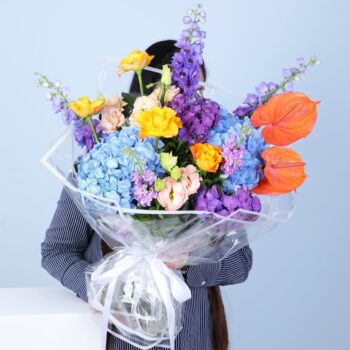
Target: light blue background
x,y
297,295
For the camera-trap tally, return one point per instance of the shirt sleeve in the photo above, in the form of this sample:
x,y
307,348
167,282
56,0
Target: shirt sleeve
x,y
230,270
62,251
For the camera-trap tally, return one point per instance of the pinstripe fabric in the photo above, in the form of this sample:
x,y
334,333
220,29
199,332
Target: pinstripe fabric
x,y
70,245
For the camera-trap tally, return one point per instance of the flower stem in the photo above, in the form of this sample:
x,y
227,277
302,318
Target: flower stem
x,y
156,145
150,85
93,129
285,82
50,85
139,76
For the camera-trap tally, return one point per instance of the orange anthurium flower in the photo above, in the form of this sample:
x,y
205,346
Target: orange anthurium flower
x,y
286,117
284,171
264,187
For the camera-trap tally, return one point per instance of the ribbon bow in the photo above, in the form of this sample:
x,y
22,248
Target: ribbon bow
x,y
168,282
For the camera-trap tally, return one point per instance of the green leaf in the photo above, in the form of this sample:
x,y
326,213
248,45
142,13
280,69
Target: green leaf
x,y
130,100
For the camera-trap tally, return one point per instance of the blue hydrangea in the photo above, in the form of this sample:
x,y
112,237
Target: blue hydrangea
x,y
251,171
107,169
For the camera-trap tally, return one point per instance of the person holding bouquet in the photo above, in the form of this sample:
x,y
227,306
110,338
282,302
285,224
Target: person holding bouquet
x,y
71,246
159,207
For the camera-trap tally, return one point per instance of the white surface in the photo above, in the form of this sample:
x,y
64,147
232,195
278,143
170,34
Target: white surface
x,y
46,318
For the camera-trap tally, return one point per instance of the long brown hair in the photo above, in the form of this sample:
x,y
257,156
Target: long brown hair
x,y
220,332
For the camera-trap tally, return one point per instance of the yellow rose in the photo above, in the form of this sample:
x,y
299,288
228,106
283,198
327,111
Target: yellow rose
x,y
83,107
158,122
206,156
141,104
136,61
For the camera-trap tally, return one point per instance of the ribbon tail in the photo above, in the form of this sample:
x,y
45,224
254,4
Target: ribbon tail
x,y
110,278
160,272
105,314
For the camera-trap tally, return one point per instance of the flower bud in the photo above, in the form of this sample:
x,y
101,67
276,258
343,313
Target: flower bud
x,y
159,185
175,173
168,161
166,75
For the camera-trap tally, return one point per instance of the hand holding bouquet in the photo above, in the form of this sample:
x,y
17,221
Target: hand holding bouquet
x,y
174,178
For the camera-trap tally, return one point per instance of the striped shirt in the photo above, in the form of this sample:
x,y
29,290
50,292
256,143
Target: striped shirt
x,y
70,246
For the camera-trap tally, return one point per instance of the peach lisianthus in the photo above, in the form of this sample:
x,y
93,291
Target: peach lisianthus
x,y
112,116
142,104
190,179
173,195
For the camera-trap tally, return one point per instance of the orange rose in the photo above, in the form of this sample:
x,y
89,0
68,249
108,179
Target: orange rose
x,y
206,156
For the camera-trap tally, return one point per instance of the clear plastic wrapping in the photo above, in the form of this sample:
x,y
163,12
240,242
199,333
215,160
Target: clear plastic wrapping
x,y
132,286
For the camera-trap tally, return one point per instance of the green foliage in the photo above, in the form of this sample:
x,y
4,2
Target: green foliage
x,y
180,149
130,100
210,179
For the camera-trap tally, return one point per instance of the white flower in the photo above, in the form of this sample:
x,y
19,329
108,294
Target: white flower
x,y
171,92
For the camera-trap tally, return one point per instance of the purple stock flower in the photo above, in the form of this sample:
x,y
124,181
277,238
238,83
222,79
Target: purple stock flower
x,y
253,101
288,87
272,86
242,111
144,192
294,73
198,117
216,201
83,133
68,116
61,107
233,155
264,88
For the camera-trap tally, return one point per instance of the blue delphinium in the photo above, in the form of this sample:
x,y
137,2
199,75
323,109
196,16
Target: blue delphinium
x,y
250,172
185,64
108,168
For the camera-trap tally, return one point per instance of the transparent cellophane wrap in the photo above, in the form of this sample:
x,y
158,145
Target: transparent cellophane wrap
x,y
139,297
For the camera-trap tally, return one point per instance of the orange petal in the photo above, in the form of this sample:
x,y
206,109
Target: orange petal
x,y
264,187
284,169
286,117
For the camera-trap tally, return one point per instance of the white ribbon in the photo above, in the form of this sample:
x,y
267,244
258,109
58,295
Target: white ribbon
x,y
162,277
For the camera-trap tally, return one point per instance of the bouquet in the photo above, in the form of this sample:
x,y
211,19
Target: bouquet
x,y
174,178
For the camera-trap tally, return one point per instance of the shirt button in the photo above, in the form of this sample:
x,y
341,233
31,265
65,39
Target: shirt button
x,y
203,283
